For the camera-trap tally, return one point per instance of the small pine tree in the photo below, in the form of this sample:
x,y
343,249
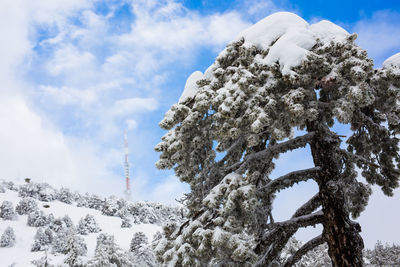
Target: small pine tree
x,y
7,211
26,206
39,218
111,206
138,241
7,238
75,247
2,189
87,225
108,253
42,239
126,222
65,196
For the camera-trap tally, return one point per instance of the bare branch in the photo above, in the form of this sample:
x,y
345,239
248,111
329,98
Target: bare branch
x,y
313,243
297,142
290,179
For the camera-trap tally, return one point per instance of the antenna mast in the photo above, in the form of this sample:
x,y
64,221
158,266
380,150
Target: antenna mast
x,y
126,166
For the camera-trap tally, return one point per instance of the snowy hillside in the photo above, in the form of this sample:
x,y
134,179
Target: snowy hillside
x,y
112,216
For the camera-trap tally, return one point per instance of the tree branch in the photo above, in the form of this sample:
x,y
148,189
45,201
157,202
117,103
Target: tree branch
x,y
313,243
357,158
297,142
273,241
289,179
302,221
308,207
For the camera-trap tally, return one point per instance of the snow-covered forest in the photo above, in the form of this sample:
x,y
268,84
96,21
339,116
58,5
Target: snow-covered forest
x,y
41,225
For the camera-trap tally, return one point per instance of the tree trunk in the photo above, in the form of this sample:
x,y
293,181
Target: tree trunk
x,y
342,235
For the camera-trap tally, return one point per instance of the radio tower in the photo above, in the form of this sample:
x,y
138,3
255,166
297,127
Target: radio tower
x,y
126,166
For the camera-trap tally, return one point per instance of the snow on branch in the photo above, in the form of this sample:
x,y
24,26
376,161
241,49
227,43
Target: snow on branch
x,y
309,206
276,239
290,179
313,243
302,221
297,142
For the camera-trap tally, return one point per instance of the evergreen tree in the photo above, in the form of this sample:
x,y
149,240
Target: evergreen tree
x,y
7,211
26,206
109,254
88,225
7,238
42,239
138,241
75,247
231,122
110,206
39,218
65,195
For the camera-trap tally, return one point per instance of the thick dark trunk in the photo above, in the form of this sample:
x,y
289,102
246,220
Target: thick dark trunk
x,y
342,235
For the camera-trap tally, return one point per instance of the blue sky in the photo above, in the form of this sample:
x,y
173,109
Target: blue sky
x,y
75,73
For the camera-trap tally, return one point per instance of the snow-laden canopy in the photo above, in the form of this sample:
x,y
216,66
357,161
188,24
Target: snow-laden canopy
x,y
392,61
191,87
288,37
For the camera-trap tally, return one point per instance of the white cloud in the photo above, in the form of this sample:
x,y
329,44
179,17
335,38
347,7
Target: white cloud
x,y
379,35
131,124
135,104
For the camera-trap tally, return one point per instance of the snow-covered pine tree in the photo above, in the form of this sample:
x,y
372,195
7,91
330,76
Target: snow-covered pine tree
x,y
42,239
39,218
75,247
138,241
88,225
65,195
108,253
280,75
7,238
141,252
26,206
7,211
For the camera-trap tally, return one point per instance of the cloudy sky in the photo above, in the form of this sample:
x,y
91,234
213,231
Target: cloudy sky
x,y
75,73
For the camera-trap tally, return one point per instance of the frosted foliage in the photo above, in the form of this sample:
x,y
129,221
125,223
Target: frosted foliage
x,y
26,206
7,239
108,253
7,211
280,75
138,241
88,225
65,195
41,191
39,218
191,87
218,236
75,247
42,239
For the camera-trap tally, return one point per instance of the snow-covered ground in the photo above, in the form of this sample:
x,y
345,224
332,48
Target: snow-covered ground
x,y
21,254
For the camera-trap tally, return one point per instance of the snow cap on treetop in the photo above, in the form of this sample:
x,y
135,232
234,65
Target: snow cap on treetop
x,y
191,87
393,61
289,39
